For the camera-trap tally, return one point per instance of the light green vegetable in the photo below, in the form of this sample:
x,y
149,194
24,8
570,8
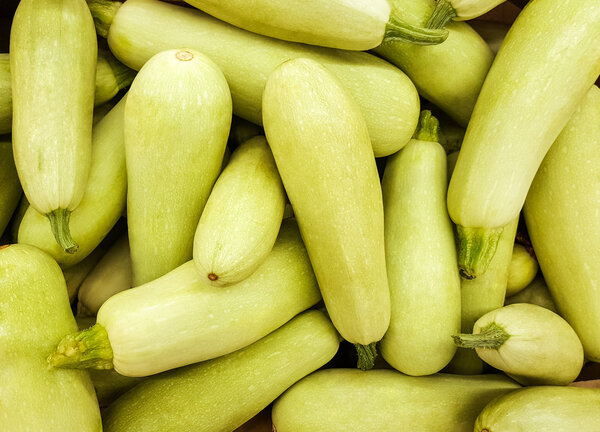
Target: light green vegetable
x,y
420,256
322,149
177,119
35,314
241,131
110,276
341,400
387,97
562,218
222,394
5,95
142,331
530,343
53,67
540,75
110,385
459,10
522,270
357,25
102,203
542,409
10,187
240,222
535,293
492,32
449,74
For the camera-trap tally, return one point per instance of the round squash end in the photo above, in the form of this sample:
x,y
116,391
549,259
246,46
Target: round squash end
x,y
213,277
184,55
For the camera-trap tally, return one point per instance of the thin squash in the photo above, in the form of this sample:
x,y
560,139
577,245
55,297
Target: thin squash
x,y
53,53
322,149
459,10
539,77
387,97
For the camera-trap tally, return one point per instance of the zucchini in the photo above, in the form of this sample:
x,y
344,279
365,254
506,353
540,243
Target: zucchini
x,y
536,293
240,222
102,204
522,270
542,409
111,77
502,151
177,120
530,343
53,54
110,276
344,400
222,394
322,149
35,313
449,74
10,188
561,215
387,97
420,255
141,331
357,25
459,10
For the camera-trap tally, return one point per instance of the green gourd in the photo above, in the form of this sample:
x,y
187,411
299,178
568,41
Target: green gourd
x,y
522,270
535,293
10,188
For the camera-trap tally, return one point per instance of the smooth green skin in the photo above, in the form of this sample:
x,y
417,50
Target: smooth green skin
x,y
469,9
102,204
74,276
352,25
543,70
5,95
492,32
421,261
449,74
35,315
522,270
387,97
561,212
208,321
177,120
221,394
111,76
110,276
542,409
344,400
535,293
110,385
10,187
482,295
542,348
321,146
240,222
53,68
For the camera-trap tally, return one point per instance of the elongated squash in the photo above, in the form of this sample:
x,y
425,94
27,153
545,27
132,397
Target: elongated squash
x,y
141,331
222,394
240,222
5,95
110,276
387,97
420,255
10,188
321,146
351,25
540,75
53,67
561,212
35,313
102,204
449,74
177,119
343,400
522,270
535,293
459,10
542,409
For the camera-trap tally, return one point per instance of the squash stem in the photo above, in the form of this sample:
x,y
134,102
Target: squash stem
x,y
87,349
428,128
123,75
366,355
398,30
443,13
476,248
491,337
59,222
103,12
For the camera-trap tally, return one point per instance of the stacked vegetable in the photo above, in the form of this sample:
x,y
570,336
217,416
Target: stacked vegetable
x,y
267,200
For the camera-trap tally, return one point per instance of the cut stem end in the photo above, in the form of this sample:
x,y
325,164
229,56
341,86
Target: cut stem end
x,y
366,355
398,30
87,349
491,337
443,13
428,128
59,222
476,249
